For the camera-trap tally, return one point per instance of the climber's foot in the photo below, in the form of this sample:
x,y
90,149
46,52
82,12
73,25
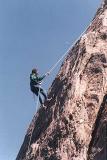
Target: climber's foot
x,y
43,105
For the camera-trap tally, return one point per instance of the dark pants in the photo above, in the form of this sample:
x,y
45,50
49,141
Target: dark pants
x,y
38,90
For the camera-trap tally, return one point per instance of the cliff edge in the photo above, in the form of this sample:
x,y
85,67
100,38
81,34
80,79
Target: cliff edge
x,y
73,123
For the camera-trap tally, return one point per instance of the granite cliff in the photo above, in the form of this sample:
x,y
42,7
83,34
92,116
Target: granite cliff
x,y
73,123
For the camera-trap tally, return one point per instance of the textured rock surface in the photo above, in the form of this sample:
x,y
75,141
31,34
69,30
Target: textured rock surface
x,y
73,123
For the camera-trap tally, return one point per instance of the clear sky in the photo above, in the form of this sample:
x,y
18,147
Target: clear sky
x,y
33,33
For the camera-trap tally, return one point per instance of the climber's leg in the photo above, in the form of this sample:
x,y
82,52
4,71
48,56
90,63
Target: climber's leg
x,y
43,93
40,100
35,90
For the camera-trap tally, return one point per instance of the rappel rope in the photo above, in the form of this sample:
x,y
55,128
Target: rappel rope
x,y
38,98
34,96
55,65
51,69
36,111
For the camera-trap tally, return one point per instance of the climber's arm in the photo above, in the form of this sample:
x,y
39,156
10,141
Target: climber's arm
x,y
41,78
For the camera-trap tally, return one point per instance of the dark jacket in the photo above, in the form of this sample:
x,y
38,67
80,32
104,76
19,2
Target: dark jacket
x,y
35,79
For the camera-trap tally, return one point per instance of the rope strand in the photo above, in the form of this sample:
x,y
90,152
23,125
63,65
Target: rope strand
x,y
55,65
33,128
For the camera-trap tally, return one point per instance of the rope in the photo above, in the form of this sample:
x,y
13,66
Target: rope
x,y
69,49
33,128
38,99
55,65
34,96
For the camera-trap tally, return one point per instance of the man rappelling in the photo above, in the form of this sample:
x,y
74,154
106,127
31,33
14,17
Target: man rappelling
x,y
35,81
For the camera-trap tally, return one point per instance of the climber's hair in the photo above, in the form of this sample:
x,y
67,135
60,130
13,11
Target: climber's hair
x,y
34,70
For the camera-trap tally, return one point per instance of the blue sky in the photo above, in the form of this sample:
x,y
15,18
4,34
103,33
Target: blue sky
x,y
33,33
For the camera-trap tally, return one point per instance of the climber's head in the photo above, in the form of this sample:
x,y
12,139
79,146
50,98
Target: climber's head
x,y
34,71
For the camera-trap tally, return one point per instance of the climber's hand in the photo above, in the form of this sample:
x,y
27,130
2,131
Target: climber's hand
x,y
48,73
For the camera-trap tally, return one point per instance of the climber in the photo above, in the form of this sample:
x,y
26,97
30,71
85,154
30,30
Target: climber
x,y
35,82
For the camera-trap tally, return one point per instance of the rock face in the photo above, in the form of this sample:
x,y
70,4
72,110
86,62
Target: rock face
x,y
73,123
